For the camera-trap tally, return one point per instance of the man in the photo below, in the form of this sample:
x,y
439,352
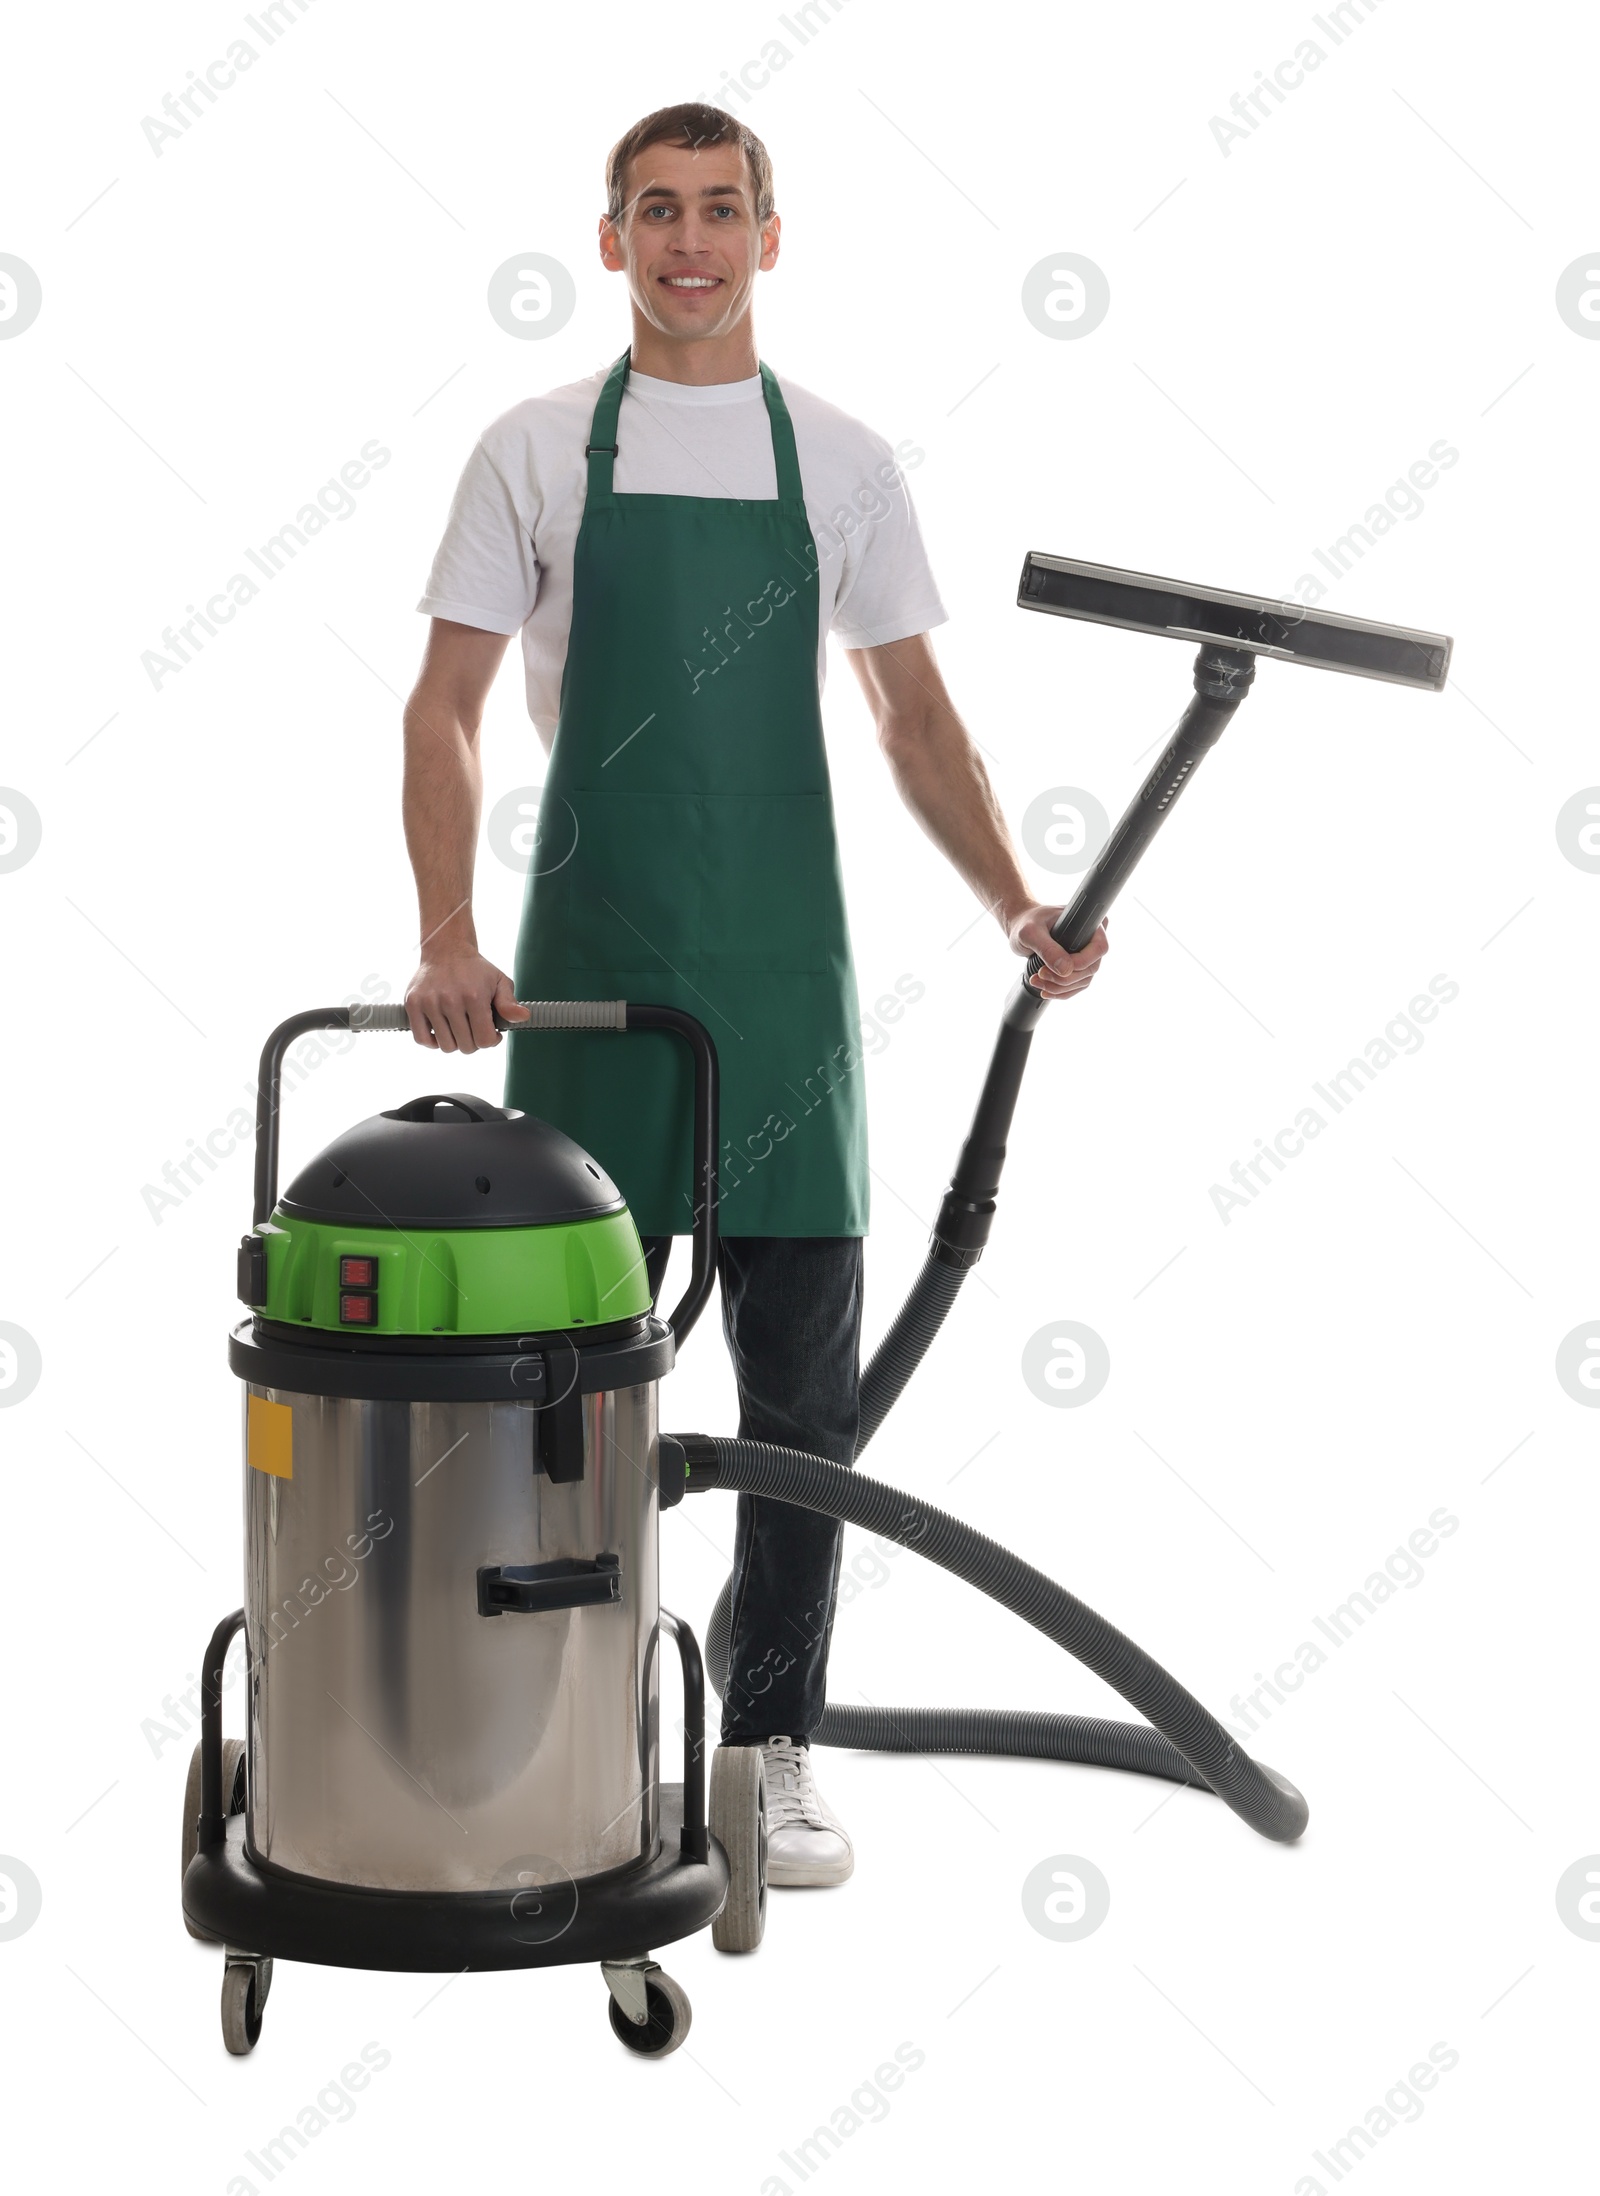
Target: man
x,y
661,536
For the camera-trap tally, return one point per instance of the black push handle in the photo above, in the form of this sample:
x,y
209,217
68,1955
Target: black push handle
x,y
629,1014
269,1086
692,1840
213,1826
707,1108
530,1588
543,1014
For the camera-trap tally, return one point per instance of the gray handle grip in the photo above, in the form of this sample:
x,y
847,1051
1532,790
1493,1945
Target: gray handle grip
x,y
542,1014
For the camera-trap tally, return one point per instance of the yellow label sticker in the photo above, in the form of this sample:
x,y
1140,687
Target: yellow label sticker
x,y
269,1437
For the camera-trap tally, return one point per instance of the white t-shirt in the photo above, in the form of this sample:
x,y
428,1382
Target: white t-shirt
x,y
505,562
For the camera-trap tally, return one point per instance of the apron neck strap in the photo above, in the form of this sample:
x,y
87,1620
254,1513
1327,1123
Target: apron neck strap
x,y
601,449
783,450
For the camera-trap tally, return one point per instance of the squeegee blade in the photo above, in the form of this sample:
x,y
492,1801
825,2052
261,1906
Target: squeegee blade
x,y
1140,602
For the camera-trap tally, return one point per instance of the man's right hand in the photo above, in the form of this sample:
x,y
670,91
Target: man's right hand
x,y
452,1000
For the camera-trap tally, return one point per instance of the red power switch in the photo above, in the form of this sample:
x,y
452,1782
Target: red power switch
x,y
358,1311
358,1273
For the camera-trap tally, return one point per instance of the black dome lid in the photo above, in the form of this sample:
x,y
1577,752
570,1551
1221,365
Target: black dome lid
x,y
451,1161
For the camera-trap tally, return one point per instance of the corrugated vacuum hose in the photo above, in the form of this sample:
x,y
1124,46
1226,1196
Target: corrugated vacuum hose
x,y
1192,1747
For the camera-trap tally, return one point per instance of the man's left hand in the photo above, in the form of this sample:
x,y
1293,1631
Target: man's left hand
x,y
1063,973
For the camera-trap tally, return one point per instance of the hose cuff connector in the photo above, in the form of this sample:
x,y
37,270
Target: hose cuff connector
x,y
689,1463
961,1230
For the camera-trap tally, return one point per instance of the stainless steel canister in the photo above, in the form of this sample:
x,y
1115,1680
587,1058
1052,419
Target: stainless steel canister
x,y
401,1738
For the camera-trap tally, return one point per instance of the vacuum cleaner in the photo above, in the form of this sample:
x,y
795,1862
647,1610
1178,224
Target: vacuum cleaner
x,y
454,1473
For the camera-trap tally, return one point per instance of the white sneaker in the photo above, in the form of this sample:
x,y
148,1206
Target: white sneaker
x,y
806,1842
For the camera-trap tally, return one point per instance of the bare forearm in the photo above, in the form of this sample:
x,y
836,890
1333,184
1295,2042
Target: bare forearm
x,y
440,803
939,774
457,999
941,779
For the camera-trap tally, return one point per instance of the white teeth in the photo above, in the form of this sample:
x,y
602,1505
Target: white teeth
x,y
690,282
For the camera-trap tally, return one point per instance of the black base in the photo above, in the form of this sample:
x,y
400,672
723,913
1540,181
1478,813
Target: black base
x,y
620,1915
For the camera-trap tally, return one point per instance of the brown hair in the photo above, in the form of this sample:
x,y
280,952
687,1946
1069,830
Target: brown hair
x,y
693,125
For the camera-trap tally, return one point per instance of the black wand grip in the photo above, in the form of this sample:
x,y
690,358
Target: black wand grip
x,y
1222,679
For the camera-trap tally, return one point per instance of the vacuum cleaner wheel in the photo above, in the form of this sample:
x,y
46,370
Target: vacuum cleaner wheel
x,y
666,2024
244,1998
739,1824
233,1773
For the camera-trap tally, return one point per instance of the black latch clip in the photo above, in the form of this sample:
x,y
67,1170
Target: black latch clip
x,y
252,1271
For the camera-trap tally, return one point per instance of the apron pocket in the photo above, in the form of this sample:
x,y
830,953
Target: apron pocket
x,y
633,884
770,892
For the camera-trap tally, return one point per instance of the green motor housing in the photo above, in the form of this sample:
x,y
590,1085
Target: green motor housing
x,y
448,1216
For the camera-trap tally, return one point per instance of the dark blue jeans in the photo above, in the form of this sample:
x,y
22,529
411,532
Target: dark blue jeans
x,y
791,1313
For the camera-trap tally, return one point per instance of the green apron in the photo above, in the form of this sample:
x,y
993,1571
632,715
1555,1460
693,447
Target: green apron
x,y
686,854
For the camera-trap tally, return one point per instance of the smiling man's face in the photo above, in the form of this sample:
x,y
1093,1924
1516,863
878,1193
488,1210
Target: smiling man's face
x,y
689,241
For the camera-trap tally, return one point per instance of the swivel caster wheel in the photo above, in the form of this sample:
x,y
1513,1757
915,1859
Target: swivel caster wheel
x,y
233,1802
738,1822
649,2011
245,1986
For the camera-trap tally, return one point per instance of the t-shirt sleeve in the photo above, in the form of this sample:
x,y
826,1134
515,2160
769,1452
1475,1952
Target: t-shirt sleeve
x,y
485,572
887,592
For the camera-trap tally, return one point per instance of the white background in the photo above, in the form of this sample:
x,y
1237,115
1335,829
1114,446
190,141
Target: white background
x,y
1374,1338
